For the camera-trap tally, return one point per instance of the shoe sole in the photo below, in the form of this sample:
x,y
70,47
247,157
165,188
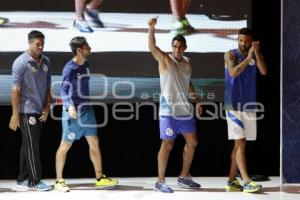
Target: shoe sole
x,y
39,190
83,31
233,189
182,32
60,190
106,186
253,191
157,190
187,187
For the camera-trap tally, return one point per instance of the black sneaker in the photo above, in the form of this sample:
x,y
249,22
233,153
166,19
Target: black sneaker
x,y
233,186
93,18
187,182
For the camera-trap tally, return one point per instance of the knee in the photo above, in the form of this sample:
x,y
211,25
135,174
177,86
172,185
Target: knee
x,y
93,143
240,145
192,143
94,147
167,146
63,149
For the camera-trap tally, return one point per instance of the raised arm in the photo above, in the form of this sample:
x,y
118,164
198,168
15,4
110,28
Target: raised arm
x,y
260,62
158,54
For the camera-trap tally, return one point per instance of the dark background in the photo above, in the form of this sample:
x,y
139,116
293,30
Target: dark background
x,y
129,148
291,94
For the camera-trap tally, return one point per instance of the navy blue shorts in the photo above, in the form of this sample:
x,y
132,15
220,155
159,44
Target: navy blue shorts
x,y
171,126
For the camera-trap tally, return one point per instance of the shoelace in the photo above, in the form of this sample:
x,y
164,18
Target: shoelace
x,y
104,177
164,185
187,178
63,183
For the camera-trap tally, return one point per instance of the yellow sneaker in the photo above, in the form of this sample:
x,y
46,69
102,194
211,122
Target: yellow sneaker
x,y
106,182
3,20
252,187
60,185
233,186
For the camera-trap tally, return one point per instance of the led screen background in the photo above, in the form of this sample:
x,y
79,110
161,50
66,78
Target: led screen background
x,y
121,65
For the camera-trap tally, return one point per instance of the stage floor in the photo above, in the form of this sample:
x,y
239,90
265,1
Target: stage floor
x,y
142,188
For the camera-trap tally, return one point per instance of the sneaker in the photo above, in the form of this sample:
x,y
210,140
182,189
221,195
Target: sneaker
x,y
60,185
41,186
105,181
182,27
93,17
22,185
3,20
233,186
161,186
82,26
251,187
187,182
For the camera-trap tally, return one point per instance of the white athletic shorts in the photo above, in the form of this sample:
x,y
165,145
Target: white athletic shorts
x,y
241,125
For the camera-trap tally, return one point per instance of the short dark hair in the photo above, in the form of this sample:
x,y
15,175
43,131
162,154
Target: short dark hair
x,y
246,31
34,35
179,38
77,42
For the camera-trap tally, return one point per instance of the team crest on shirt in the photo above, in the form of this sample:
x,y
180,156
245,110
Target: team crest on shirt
x,y
71,136
33,69
32,120
45,68
169,132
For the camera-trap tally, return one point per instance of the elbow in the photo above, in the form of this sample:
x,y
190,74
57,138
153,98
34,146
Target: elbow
x,y
232,74
16,89
151,47
265,72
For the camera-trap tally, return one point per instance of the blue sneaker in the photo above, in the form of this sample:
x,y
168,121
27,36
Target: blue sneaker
x,y
187,182
41,187
93,17
163,187
22,185
82,26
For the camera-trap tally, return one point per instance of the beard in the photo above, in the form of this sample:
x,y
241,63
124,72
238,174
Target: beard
x,y
244,49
